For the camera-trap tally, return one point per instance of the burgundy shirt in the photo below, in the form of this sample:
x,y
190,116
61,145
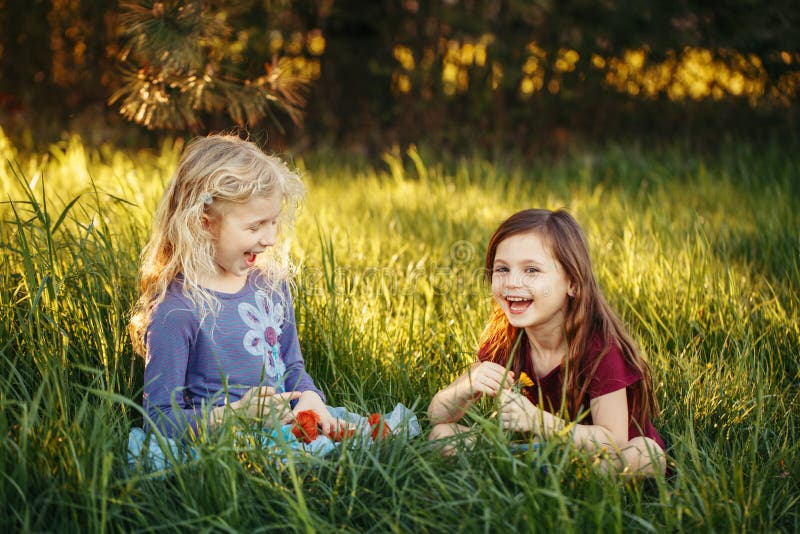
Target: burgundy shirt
x,y
612,373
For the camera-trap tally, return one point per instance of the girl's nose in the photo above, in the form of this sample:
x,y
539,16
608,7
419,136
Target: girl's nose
x,y
515,280
268,237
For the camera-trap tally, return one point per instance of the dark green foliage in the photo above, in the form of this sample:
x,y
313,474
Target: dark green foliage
x,y
209,65
183,60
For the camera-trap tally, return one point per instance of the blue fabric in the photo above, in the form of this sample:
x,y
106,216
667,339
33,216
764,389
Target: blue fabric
x,y
524,447
152,453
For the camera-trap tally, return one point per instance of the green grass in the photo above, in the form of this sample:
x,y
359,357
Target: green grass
x,y
698,253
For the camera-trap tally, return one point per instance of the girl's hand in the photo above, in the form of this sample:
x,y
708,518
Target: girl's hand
x,y
484,378
264,404
487,378
327,423
518,414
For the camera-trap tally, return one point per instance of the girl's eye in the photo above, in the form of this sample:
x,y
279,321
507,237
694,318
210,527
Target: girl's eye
x,y
531,270
501,269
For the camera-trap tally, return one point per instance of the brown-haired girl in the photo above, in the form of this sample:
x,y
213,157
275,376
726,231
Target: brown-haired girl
x,y
552,322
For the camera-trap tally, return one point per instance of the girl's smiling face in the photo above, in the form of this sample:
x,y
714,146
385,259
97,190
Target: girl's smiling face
x,y
529,284
241,231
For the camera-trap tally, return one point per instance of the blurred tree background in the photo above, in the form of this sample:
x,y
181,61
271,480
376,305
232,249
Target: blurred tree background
x,y
365,75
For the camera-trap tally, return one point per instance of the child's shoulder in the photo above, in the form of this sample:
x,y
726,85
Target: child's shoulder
x,y
175,302
606,357
599,344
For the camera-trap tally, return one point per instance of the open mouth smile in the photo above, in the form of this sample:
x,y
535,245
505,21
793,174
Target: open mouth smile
x,y
251,255
518,304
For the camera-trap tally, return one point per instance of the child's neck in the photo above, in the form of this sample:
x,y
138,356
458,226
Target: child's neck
x,y
224,284
547,351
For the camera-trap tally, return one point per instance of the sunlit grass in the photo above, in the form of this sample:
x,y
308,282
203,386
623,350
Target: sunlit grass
x,y
698,252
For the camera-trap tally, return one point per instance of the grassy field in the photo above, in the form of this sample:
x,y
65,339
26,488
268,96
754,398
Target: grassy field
x,y
698,253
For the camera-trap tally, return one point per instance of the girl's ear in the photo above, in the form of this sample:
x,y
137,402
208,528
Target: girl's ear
x,y
209,223
572,290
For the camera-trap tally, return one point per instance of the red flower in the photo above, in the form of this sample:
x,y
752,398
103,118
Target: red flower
x,y
305,426
341,433
375,421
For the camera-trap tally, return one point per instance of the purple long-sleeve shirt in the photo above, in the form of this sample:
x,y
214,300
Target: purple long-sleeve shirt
x,y
251,341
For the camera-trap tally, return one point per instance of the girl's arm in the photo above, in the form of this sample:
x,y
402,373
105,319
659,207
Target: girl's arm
x,y
640,456
451,403
609,419
169,342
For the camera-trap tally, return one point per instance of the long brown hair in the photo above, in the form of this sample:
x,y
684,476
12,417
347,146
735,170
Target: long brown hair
x,y
588,314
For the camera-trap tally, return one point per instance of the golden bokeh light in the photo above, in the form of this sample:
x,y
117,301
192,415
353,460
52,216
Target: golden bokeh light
x,y
404,56
690,73
300,52
315,43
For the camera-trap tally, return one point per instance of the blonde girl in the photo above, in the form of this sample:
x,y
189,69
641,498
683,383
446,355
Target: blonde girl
x,y
215,320
552,321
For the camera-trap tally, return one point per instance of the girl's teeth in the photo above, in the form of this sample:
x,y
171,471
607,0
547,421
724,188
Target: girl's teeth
x,y
518,305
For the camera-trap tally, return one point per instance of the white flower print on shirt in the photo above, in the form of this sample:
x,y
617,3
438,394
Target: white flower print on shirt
x,y
265,320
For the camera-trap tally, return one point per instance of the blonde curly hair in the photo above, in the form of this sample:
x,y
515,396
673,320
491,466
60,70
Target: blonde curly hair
x,y
217,167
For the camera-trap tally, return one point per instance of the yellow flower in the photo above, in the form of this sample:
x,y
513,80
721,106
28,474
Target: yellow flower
x,y
524,380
